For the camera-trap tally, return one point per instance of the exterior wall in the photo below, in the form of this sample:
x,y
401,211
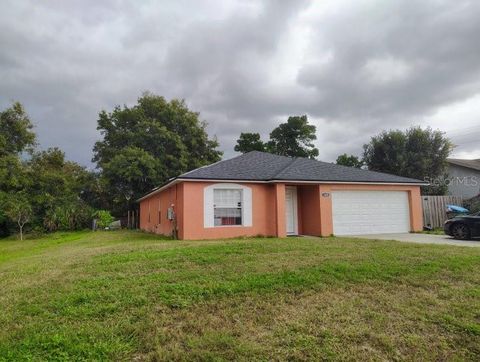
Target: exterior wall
x,y
153,211
463,181
268,210
309,210
265,205
280,220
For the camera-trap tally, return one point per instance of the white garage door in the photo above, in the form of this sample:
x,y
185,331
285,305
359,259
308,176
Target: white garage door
x,y
370,212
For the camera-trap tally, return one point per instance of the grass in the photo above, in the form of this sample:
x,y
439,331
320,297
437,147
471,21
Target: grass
x,y
435,231
134,296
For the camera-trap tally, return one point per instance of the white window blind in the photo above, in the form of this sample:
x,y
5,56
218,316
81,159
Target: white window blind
x,y
227,198
227,205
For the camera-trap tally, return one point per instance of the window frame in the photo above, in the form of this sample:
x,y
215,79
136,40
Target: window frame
x,y
208,204
241,207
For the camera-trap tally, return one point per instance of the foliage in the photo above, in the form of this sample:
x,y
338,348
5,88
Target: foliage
x,y
46,191
18,210
68,216
163,139
104,218
16,135
416,153
13,175
130,169
142,147
349,160
249,142
57,189
294,138
473,204
134,296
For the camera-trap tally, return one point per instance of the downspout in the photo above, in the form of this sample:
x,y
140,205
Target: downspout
x,y
175,228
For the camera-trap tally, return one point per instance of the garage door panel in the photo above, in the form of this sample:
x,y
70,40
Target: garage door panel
x,y
370,212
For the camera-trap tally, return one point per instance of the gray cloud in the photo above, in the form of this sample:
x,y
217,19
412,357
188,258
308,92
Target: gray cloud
x,y
397,60
354,68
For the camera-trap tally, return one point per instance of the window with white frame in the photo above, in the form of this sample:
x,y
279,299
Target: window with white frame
x,y
227,204
227,207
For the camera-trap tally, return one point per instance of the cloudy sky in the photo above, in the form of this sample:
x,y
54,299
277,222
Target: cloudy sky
x,y
354,67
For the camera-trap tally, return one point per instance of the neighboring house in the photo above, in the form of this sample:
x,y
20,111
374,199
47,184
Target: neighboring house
x,y
264,194
463,177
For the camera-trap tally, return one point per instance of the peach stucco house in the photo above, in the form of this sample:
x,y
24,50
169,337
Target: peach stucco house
x,y
263,194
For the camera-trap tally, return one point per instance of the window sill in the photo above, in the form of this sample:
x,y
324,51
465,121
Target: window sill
x,y
228,226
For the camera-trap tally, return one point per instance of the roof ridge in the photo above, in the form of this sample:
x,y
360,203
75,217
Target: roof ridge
x,y
473,164
211,164
285,167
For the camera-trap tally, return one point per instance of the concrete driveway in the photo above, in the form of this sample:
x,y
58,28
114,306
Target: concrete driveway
x,y
421,238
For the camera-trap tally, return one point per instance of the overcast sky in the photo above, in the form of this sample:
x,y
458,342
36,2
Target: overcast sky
x,y
354,67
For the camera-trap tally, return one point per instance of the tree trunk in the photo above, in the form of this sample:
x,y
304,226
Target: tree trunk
x,y
21,232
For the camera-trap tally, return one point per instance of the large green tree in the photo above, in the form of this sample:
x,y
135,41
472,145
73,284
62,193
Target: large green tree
x,y
16,138
294,138
16,135
148,143
249,142
40,189
130,170
57,191
349,160
416,153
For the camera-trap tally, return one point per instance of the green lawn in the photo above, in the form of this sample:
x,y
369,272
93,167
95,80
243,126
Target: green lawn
x,y
127,295
436,231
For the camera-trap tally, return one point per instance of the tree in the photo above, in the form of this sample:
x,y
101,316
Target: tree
x,y
131,173
294,138
57,191
167,138
19,210
416,153
249,142
16,134
349,160
16,137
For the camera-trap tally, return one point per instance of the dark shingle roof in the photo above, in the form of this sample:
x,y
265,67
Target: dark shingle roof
x,y
473,164
261,166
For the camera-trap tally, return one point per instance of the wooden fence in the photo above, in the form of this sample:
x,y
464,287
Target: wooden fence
x,y
434,209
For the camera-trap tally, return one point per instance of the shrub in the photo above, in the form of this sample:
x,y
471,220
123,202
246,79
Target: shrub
x,y
104,218
68,216
473,204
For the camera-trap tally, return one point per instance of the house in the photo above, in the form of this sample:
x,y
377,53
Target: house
x,y
463,177
259,193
